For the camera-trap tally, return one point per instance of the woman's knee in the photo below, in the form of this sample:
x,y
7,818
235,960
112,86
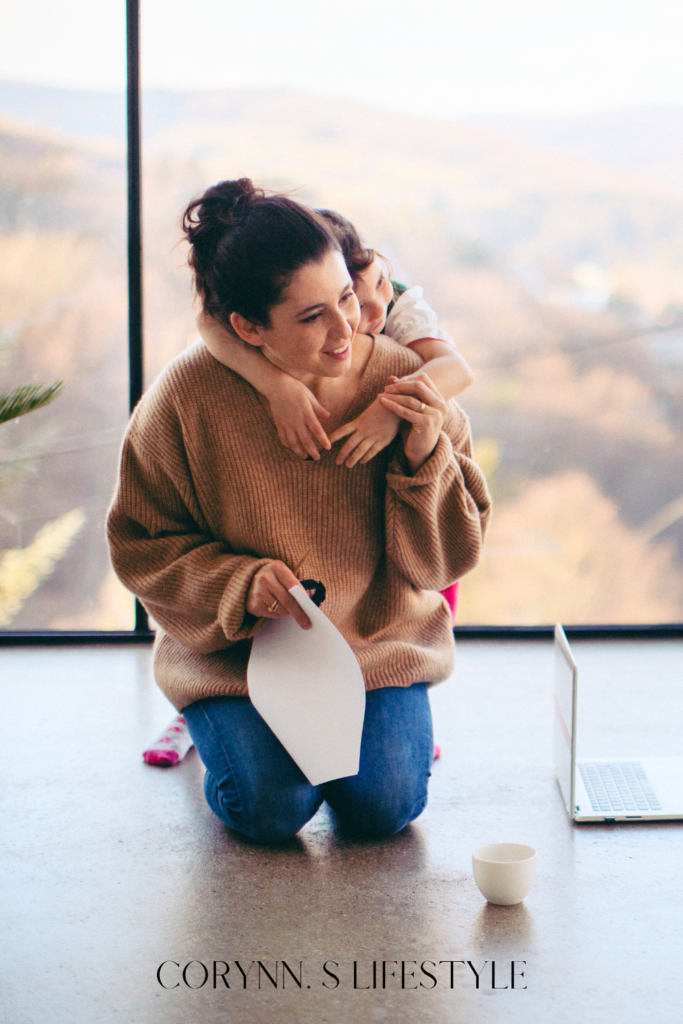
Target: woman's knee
x,y
380,807
251,782
266,817
390,789
379,823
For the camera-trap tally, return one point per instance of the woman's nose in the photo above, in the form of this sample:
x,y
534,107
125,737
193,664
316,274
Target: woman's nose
x,y
345,324
345,329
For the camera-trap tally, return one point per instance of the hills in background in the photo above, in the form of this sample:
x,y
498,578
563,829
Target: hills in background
x,y
634,140
545,196
644,141
556,266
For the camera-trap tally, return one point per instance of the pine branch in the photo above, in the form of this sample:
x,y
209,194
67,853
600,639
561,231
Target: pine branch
x,y
27,398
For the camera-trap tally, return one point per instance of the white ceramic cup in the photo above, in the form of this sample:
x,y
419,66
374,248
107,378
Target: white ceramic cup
x,y
504,872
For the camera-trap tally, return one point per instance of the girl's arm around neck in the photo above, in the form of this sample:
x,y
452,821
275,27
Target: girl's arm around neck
x,y
443,365
244,359
295,410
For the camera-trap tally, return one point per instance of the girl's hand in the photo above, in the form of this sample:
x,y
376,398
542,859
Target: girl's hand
x,y
297,414
419,402
373,430
295,410
269,596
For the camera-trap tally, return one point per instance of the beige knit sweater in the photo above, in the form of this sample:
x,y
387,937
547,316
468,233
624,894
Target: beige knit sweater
x,y
207,495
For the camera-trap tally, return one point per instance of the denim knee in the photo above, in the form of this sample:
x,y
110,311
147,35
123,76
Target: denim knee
x,y
390,789
378,814
265,817
251,782
387,821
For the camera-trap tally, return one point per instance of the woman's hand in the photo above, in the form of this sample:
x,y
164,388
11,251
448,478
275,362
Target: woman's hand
x,y
297,413
269,596
420,403
374,429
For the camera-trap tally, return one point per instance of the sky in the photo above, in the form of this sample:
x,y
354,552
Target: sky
x,y
438,58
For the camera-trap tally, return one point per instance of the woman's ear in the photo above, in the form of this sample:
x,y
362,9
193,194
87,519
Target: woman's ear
x,y
246,330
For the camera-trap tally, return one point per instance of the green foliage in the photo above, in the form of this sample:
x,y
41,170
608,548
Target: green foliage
x,y
22,570
27,398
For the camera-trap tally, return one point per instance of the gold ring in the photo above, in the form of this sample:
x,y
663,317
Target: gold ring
x,y
273,606
422,405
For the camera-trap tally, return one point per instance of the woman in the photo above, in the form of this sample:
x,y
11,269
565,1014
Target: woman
x,y
211,513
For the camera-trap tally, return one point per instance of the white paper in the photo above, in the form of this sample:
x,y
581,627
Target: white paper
x,y
308,687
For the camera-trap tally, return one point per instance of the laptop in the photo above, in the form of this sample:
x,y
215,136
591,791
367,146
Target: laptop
x,y
607,789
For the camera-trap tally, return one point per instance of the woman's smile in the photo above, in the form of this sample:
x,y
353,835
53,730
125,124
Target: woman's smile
x,y
339,353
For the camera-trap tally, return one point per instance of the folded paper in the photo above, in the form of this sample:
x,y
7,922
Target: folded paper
x,y
308,687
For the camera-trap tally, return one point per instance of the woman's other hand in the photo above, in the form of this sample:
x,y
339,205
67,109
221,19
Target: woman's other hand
x,y
419,403
297,413
373,430
269,596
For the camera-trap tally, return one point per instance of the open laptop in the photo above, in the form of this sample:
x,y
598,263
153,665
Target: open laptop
x,y
607,789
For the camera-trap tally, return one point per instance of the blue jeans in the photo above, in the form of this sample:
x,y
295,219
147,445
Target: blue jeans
x,y
254,786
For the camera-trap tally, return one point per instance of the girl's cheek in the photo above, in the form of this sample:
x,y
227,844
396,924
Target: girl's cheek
x,y
371,323
373,315
364,323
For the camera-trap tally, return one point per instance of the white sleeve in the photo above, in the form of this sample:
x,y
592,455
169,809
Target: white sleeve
x,y
411,319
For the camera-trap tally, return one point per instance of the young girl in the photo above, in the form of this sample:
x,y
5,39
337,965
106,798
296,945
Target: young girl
x,y
386,307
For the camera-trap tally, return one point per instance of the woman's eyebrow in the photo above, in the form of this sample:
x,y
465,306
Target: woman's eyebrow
x,y
309,309
320,305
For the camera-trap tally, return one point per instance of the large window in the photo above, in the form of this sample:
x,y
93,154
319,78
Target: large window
x,y
516,167
63,315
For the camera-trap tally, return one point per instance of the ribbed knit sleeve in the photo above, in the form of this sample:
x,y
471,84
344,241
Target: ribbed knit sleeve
x,y
193,585
436,520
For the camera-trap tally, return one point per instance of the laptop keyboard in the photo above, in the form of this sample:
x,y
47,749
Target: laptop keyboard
x,y
621,786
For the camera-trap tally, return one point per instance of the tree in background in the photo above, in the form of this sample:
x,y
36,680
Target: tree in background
x,y
22,570
559,550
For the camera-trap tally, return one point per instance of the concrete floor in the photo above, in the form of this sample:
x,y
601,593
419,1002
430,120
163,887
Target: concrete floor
x,y
111,867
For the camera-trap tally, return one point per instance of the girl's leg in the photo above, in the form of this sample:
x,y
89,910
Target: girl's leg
x,y
390,789
170,746
251,782
451,596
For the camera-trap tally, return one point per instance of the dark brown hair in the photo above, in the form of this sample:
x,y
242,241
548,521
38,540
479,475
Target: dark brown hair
x,y
356,255
245,245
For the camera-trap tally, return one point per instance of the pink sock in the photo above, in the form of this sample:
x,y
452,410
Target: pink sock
x,y
170,746
437,751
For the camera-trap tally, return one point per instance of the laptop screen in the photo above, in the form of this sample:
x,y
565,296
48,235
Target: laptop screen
x,y
565,695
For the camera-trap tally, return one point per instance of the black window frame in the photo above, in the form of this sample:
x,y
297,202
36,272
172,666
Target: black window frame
x,y
142,634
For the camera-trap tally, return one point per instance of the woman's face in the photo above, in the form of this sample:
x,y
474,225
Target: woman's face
x,y
311,332
375,292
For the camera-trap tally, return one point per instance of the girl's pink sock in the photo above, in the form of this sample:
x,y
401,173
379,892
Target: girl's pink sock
x,y
170,746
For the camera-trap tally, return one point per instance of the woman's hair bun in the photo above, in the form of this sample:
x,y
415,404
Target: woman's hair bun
x,y
224,205
235,198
